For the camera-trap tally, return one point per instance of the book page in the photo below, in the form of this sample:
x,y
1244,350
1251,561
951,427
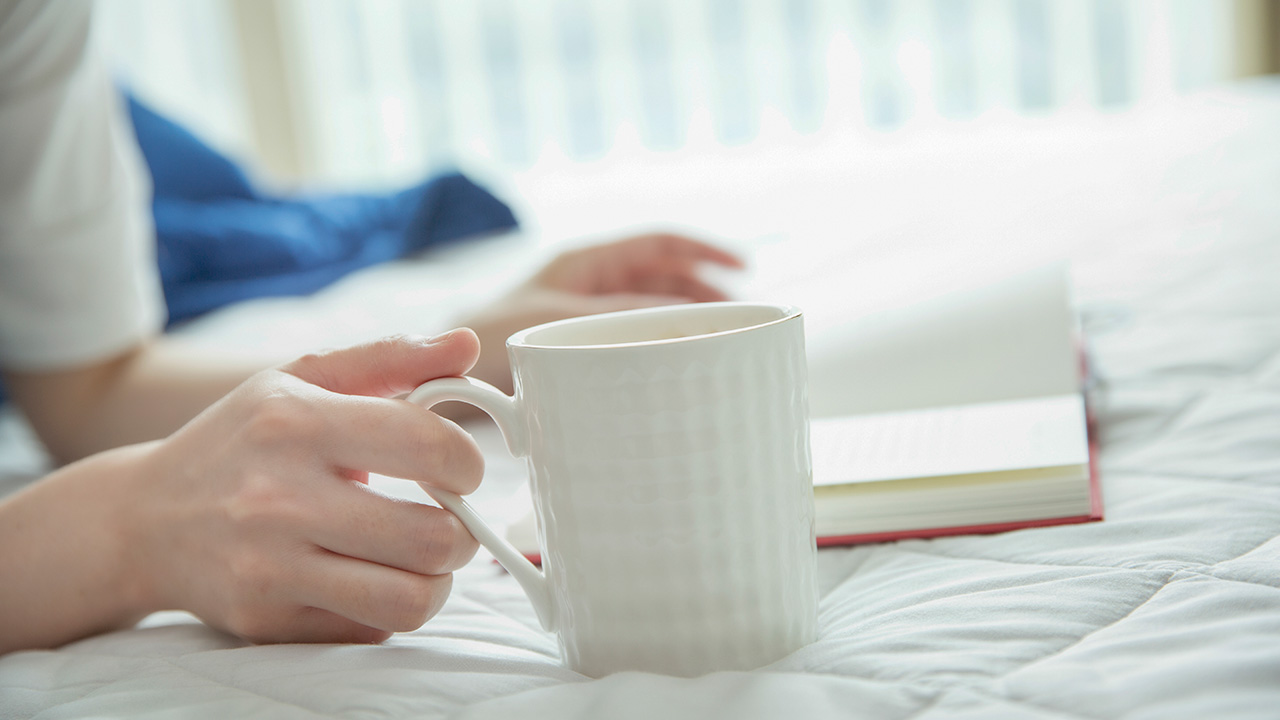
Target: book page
x,y
959,440
1015,338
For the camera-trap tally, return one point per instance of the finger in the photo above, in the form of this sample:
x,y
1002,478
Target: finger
x,y
699,291
390,366
688,286
398,439
671,244
313,625
614,302
364,524
373,595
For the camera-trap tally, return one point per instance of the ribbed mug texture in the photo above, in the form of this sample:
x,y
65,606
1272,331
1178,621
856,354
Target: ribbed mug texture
x,y
673,486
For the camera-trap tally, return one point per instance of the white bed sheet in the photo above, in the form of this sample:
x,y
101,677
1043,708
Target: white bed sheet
x,y
1169,608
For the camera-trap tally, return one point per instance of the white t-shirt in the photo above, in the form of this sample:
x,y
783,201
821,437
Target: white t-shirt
x,y
78,280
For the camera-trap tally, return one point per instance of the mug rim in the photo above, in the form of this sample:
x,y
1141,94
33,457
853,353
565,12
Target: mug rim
x,y
520,340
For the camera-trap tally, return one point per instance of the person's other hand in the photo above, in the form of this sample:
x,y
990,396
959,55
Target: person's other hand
x,y
256,516
635,272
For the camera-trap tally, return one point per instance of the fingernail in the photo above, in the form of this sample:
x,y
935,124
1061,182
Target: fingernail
x,y
442,337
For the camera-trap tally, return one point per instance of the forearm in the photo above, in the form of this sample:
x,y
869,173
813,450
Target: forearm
x,y
169,383
142,395
65,554
251,516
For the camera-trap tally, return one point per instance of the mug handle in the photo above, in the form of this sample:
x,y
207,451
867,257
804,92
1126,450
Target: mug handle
x,y
502,408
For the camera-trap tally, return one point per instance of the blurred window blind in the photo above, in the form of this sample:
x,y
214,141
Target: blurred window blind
x,y
182,56
390,88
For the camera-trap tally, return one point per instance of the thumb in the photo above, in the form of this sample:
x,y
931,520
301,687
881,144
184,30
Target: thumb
x,y
390,366
614,302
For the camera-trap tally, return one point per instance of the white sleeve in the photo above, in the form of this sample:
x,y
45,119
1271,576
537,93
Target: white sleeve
x,y
78,279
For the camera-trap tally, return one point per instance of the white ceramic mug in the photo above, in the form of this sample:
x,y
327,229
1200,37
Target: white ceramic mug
x,y
668,452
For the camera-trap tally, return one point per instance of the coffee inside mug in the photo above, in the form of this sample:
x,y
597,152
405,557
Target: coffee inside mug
x,y
664,324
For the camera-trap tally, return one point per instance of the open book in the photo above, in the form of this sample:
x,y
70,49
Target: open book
x,y
965,413
961,414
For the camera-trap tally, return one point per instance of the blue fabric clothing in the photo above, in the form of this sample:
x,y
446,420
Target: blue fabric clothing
x,y
181,165
220,240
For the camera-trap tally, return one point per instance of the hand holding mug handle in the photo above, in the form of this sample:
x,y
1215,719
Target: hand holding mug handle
x,y
502,408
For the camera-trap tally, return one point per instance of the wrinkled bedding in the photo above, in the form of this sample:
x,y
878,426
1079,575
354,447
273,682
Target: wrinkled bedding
x,y
1170,608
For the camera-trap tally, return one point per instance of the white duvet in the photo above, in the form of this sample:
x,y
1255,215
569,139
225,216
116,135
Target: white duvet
x,y
1170,608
